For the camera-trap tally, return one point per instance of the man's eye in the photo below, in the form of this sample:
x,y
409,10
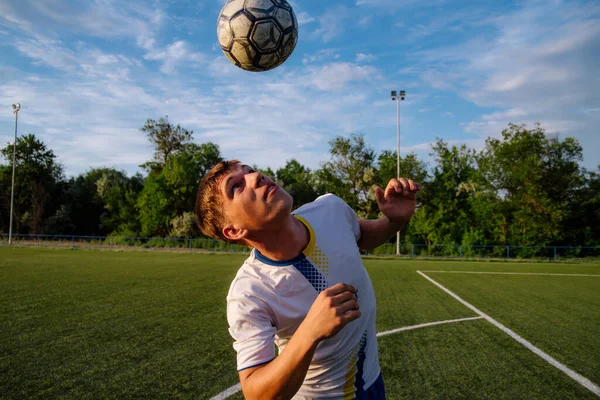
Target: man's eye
x,y
236,187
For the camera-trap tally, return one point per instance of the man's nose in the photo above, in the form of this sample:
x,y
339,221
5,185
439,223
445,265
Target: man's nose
x,y
255,179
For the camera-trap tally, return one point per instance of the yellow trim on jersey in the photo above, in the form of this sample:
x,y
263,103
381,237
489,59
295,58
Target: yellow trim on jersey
x,y
313,237
349,389
312,251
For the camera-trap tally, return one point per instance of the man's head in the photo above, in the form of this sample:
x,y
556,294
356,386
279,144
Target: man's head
x,y
235,202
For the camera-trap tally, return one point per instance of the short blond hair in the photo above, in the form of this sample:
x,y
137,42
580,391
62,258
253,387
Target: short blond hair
x,y
209,202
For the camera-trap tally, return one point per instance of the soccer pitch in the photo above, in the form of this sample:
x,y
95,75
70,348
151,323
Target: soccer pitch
x,y
118,325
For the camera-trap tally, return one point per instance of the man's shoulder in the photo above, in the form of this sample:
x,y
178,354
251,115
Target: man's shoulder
x,y
326,200
251,279
246,275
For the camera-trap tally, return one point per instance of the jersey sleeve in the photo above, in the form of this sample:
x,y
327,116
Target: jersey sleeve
x,y
251,327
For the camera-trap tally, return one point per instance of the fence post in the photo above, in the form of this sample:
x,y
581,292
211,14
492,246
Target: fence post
x,y
461,251
72,242
507,252
412,251
190,244
555,255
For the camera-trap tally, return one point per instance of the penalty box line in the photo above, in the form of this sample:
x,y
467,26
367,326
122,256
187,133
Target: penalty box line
x,y
236,388
582,380
511,273
409,328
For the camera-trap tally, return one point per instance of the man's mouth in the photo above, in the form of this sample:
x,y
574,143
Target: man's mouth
x,y
270,189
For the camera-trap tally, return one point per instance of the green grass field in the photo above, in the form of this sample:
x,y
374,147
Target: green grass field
x,y
120,325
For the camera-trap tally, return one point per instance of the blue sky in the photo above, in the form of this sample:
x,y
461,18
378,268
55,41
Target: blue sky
x,y
89,73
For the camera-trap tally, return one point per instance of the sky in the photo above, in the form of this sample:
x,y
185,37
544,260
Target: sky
x,y
89,73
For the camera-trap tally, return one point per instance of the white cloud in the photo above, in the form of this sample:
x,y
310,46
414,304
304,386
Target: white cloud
x,y
365,58
321,55
174,54
537,68
335,76
364,21
591,110
304,18
332,23
104,19
394,4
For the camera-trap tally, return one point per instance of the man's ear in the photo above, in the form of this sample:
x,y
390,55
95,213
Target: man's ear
x,y
233,233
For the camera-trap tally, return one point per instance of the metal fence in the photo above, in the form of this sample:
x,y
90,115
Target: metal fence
x,y
210,245
490,251
121,242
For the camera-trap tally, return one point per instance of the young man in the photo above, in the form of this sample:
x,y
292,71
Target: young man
x,y
304,288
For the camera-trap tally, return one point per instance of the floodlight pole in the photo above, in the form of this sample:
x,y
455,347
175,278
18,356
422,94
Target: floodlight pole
x,y
397,98
16,109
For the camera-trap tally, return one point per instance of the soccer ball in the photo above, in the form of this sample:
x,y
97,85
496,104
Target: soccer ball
x,y
257,35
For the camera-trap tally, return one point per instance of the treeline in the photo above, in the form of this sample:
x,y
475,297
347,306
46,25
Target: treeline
x,y
524,189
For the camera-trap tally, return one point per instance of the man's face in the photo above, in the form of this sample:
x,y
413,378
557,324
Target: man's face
x,y
252,201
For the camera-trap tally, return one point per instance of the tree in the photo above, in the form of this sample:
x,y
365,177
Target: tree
x,y
184,225
172,191
297,180
154,206
350,173
202,157
449,192
166,138
119,195
410,167
537,178
38,183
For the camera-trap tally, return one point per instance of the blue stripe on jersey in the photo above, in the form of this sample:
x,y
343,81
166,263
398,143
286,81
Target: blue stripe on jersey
x,y
360,365
274,263
376,391
312,274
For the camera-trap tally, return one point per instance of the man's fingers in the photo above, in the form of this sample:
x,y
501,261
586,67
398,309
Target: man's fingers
x,y
404,184
350,316
401,186
393,187
340,288
412,185
347,306
343,297
379,195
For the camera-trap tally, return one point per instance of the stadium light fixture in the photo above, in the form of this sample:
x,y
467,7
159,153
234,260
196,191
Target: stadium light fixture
x,y
397,99
16,108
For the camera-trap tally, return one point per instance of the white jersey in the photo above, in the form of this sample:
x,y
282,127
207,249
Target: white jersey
x,y
269,299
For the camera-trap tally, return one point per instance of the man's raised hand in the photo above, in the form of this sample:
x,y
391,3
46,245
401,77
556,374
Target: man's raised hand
x,y
398,200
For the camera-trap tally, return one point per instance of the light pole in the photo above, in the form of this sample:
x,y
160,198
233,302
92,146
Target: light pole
x,y
16,108
397,98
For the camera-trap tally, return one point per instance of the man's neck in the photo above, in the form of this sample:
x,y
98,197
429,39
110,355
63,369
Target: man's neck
x,y
285,242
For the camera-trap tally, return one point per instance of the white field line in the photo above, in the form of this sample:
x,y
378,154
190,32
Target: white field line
x,y
229,392
582,380
408,328
511,273
236,388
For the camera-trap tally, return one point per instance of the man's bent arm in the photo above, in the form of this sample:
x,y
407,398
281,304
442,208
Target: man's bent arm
x,y
282,377
375,232
333,309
